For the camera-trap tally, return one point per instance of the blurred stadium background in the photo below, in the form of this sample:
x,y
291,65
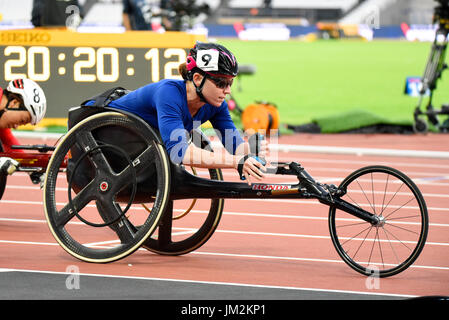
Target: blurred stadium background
x,y
327,65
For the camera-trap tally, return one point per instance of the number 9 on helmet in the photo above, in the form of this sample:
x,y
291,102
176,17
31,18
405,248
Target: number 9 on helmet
x,y
33,97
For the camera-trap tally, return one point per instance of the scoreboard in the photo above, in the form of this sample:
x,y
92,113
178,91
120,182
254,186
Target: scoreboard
x,y
71,66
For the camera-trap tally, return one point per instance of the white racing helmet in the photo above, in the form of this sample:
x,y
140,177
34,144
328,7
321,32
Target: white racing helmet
x,y
33,97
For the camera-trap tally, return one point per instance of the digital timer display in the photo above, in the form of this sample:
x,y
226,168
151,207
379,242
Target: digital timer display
x,y
72,71
88,64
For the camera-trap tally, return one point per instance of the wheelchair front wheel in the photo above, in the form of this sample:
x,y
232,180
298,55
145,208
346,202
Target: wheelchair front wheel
x,y
395,242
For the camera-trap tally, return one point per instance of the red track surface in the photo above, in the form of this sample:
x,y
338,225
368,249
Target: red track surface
x,y
271,242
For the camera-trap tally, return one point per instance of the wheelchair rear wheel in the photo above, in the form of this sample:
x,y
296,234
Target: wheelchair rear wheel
x,y
3,177
90,206
188,233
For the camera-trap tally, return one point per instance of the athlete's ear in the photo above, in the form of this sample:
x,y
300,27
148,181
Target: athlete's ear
x,y
197,78
14,104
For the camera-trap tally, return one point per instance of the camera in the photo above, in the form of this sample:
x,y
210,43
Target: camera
x,y
441,14
182,13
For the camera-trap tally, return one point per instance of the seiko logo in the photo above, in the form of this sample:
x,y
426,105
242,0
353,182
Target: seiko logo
x,y
269,187
25,37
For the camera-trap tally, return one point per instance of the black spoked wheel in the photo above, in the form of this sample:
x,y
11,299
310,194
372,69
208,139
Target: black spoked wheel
x,y
395,242
181,233
90,206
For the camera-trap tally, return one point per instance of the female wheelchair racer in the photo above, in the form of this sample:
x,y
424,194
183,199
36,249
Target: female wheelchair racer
x,y
115,160
175,107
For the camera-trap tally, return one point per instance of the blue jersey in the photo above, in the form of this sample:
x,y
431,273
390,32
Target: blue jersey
x,y
163,105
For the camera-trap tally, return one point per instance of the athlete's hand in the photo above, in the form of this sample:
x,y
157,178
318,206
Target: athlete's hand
x,y
8,165
250,168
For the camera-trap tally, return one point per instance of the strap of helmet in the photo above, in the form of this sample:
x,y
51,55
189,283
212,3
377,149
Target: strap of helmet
x,y
9,98
199,89
1,95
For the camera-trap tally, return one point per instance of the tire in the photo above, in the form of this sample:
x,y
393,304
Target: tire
x,y
420,126
393,244
168,241
112,231
3,177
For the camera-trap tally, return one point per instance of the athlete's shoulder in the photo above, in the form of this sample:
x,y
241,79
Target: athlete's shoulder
x,y
170,89
173,83
163,83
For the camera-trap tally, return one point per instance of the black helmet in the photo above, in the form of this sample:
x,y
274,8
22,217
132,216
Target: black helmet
x,y
211,59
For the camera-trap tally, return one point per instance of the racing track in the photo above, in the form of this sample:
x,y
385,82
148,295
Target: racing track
x,y
262,249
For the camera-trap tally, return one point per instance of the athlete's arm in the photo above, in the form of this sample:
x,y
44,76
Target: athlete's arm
x,y
200,158
220,158
244,148
230,136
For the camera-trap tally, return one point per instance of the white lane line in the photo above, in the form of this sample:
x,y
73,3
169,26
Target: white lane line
x,y
274,215
426,195
116,242
277,147
306,236
30,243
297,259
182,231
343,172
249,214
236,255
302,202
274,147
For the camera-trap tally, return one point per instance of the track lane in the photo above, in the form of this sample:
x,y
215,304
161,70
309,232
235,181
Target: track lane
x,y
265,242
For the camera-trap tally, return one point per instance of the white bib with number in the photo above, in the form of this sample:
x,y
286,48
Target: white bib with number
x,y
207,60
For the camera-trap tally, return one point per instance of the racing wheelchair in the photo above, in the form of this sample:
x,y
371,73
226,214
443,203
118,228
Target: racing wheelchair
x,y
110,189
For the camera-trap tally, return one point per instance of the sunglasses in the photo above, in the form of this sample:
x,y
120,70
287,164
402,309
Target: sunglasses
x,y
221,83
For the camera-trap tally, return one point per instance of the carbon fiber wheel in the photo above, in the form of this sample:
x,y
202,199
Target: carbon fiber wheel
x,y
186,234
3,177
90,207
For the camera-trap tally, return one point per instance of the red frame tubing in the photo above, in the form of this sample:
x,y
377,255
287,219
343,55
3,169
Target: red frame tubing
x,y
31,159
